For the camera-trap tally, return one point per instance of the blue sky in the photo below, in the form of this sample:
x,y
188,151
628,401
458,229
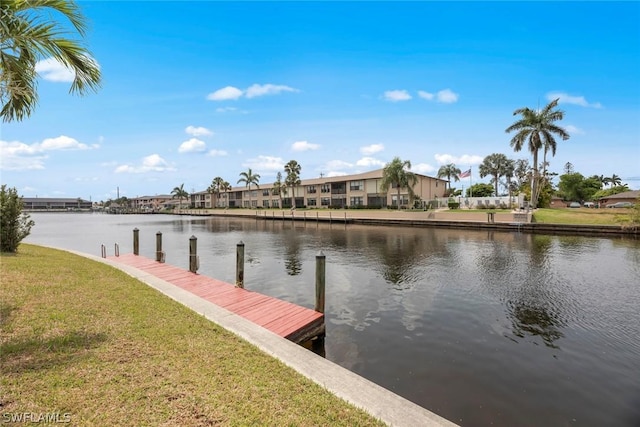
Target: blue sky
x,y
195,90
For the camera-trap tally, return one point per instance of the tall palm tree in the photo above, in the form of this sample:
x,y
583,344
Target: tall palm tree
x,y
509,171
615,180
28,33
495,165
292,168
396,174
278,188
537,128
226,187
249,178
450,171
179,193
215,188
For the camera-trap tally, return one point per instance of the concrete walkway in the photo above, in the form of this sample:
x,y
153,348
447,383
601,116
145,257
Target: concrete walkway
x,y
360,392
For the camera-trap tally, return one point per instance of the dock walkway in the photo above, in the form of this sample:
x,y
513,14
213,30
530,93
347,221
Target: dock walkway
x,y
288,320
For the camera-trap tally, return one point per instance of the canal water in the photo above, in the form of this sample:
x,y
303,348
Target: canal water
x,y
481,327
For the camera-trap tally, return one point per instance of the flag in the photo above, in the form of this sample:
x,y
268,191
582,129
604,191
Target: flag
x,y
465,174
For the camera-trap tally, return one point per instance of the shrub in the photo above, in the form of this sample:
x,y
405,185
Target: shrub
x,y
15,225
454,205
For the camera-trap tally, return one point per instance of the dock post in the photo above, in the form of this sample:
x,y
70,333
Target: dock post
x,y
240,265
320,281
159,246
193,254
136,241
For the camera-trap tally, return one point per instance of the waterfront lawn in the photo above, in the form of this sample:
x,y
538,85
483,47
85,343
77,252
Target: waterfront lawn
x,y
582,216
81,338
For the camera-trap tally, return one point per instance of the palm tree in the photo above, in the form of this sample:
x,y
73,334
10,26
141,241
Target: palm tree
x,y
615,180
495,165
450,171
226,187
249,178
278,188
292,168
396,174
28,34
509,171
179,193
215,188
537,128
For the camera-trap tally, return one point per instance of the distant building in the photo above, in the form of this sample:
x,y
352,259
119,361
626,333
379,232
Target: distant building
x,y
340,191
150,203
627,196
56,204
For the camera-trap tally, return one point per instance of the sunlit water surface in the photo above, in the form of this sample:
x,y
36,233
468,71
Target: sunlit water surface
x,y
481,327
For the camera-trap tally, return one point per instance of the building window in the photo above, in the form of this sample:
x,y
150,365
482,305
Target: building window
x,y
311,189
275,203
404,200
265,192
325,201
355,201
311,202
356,185
254,203
254,193
265,203
325,188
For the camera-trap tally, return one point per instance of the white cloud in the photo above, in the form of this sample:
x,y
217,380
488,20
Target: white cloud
x,y
422,168
369,161
193,145
198,131
265,163
253,91
447,96
225,94
368,150
217,153
54,71
17,155
425,95
225,109
151,163
574,130
336,173
337,165
397,95
267,89
565,98
465,159
62,143
304,146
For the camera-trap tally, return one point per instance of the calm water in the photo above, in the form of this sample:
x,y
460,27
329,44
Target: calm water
x,y
483,328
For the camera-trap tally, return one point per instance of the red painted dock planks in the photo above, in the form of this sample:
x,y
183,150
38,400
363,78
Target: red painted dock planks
x,y
281,317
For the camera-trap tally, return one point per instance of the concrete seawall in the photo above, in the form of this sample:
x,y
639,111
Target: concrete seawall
x,y
502,221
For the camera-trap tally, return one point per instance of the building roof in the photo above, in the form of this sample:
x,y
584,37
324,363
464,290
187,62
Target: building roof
x,y
633,194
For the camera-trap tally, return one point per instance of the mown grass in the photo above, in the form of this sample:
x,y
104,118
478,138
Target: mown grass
x,y
82,338
583,216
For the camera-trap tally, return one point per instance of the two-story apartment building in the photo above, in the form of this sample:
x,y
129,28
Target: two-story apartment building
x,y
339,191
151,203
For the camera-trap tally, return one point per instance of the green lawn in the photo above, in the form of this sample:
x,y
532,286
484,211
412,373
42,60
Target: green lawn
x,y
82,338
583,216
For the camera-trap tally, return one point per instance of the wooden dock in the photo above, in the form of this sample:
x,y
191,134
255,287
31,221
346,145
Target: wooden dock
x,y
288,320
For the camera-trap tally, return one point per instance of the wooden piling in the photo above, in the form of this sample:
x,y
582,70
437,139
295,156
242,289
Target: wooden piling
x,y
320,281
159,246
240,265
136,241
193,254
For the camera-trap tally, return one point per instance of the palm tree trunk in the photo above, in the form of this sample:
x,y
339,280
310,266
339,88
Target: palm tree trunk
x,y
534,183
496,184
398,196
